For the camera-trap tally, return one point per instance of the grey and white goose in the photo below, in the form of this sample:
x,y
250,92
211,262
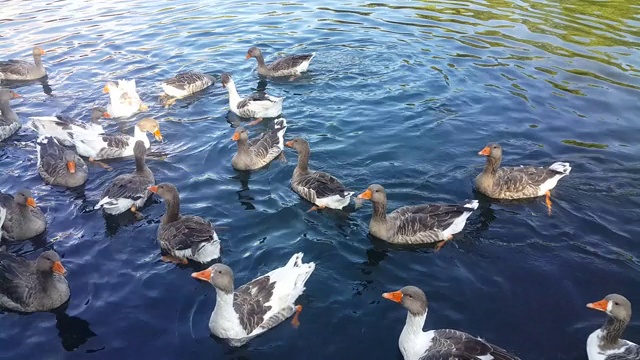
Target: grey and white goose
x,y
248,311
291,65
129,192
58,165
443,344
24,70
517,182
31,286
257,105
259,151
184,237
9,122
417,224
64,128
317,187
605,343
185,84
24,219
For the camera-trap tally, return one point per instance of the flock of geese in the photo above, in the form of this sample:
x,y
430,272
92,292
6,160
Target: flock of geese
x,y
243,313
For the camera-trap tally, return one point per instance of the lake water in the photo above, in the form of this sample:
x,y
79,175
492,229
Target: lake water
x,y
404,95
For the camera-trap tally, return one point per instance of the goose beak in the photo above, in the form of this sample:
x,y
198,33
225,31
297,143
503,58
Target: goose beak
x,y
105,89
58,268
31,202
365,195
71,165
486,151
15,96
106,115
601,305
202,275
247,57
395,296
157,135
236,136
289,144
42,52
153,189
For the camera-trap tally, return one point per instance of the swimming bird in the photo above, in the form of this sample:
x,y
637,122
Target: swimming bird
x,y
58,165
417,224
185,84
100,146
517,182
9,122
129,192
317,187
258,105
24,70
184,237
124,99
61,126
31,286
257,306
291,65
24,219
605,343
443,344
259,151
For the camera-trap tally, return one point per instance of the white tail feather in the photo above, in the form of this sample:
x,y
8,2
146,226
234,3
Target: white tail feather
x,y
561,167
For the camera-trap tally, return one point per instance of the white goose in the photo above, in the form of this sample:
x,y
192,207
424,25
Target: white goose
x,y
605,343
443,344
61,127
257,306
124,99
258,105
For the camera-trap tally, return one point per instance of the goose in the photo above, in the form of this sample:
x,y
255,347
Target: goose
x,y
317,187
23,70
100,146
443,344
61,127
257,306
258,105
32,286
123,98
418,224
129,192
9,122
185,84
259,151
517,182
184,237
24,219
605,343
292,65
3,215
58,165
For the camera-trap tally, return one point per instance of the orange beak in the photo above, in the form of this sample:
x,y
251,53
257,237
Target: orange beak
x,y
42,52
202,275
71,165
601,305
236,136
395,296
153,189
247,57
106,115
157,135
15,96
58,268
289,144
365,195
105,89
486,151
31,202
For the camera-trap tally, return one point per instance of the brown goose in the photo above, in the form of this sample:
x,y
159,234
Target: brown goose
x,y
419,224
9,122
258,152
605,343
184,236
258,105
24,219
443,344
253,308
317,187
292,65
58,165
184,84
27,286
517,182
23,70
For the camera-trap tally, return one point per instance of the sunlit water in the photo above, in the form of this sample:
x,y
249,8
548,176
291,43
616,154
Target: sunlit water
x,y
404,95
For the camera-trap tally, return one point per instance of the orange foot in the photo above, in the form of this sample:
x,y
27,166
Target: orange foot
x,y
295,322
175,260
256,121
548,201
443,242
315,208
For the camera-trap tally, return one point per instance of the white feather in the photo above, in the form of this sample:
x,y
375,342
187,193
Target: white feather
x,y
563,168
335,201
459,223
209,251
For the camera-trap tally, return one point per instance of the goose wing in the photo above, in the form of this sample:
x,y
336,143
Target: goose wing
x,y
453,344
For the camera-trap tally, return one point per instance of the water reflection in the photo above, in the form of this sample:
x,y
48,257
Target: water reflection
x,y
16,84
72,330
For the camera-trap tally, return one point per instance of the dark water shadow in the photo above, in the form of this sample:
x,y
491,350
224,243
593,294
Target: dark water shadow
x,y
73,331
16,84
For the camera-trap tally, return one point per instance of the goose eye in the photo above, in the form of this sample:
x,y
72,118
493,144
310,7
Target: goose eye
x,y
616,303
